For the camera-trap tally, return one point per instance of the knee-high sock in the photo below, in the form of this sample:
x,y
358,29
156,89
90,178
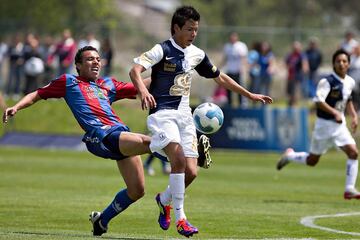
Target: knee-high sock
x,y
165,197
177,188
351,173
299,157
119,204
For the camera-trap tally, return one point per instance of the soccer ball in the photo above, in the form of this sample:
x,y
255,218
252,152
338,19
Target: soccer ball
x,y
208,118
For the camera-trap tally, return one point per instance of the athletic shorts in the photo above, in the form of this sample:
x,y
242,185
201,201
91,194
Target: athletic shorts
x,y
176,126
328,133
105,142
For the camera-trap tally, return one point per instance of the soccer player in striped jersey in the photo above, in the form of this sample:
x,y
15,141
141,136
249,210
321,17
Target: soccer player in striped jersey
x,y
173,63
89,98
333,98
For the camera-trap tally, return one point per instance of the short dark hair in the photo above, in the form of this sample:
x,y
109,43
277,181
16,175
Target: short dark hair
x,y
339,52
183,14
78,56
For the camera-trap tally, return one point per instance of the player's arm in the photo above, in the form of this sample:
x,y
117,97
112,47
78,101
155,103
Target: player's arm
x,y
227,82
350,109
322,91
25,102
147,100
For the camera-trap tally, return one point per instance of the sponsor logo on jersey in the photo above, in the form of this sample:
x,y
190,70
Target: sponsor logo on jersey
x,y
169,67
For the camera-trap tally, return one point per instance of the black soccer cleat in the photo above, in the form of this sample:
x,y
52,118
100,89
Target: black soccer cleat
x,y
98,229
204,159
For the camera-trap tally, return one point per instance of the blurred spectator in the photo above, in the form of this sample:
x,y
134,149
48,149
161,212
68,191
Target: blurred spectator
x,y
90,40
48,50
354,72
349,42
314,57
3,52
16,62
34,65
219,96
65,52
107,56
254,67
235,58
298,66
2,102
266,62
165,166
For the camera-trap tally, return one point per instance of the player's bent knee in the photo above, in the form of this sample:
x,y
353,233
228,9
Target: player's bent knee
x,y
137,193
312,162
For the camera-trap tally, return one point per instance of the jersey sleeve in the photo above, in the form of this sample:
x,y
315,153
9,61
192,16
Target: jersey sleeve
x,y
322,90
151,57
124,90
55,89
206,69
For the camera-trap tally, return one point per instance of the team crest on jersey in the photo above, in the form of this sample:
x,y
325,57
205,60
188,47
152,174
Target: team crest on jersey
x,y
185,65
95,92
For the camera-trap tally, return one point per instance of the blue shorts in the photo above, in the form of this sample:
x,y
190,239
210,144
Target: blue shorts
x,y
105,143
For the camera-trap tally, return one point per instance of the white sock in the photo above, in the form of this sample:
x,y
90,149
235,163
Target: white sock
x,y
299,157
351,173
177,188
165,197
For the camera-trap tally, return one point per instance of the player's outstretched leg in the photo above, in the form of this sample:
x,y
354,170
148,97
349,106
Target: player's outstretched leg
x,y
164,216
185,228
284,159
204,159
98,229
351,194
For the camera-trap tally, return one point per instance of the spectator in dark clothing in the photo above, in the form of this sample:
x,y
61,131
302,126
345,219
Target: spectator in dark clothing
x,y
314,57
16,62
107,56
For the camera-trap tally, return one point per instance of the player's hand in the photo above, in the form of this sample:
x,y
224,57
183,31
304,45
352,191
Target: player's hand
x,y
147,101
338,117
261,98
9,112
354,124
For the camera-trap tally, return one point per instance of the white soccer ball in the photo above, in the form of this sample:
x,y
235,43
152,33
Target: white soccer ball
x,y
208,118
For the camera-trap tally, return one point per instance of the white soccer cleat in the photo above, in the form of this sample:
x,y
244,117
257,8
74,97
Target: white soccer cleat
x,y
284,159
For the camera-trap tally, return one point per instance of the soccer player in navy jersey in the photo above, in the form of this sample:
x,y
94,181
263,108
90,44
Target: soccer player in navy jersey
x,y
173,63
332,99
89,98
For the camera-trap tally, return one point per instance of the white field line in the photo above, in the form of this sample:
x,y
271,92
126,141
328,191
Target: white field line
x,y
308,221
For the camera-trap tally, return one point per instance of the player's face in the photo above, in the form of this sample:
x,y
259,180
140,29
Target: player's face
x,y
186,35
341,65
90,66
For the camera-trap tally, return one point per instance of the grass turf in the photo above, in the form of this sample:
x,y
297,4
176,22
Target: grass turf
x,y
49,194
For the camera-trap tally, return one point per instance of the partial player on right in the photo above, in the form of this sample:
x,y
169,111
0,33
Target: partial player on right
x,y
333,97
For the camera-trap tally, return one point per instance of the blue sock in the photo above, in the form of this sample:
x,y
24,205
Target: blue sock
x,y
119,204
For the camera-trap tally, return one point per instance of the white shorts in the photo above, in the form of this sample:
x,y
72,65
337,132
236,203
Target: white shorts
x,y
327,134
168,126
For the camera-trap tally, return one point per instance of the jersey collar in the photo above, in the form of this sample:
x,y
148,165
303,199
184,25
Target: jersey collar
x,y
184,50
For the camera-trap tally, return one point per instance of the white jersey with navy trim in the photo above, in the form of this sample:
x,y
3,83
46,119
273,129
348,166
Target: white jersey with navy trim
x,y
335,91
172,71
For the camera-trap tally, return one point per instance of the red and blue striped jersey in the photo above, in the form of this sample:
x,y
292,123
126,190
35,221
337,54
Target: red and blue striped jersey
x,y
90,101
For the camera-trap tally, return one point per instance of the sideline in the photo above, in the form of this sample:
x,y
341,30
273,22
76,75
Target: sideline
x,y
308,221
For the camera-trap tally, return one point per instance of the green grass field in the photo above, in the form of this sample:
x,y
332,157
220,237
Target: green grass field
x,y
49,194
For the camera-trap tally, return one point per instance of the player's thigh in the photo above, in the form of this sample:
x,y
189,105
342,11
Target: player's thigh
x,y
131,144
188,137
132,171
164,129
319,146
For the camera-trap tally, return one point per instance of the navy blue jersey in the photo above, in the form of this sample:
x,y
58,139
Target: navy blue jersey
x,y
172,70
